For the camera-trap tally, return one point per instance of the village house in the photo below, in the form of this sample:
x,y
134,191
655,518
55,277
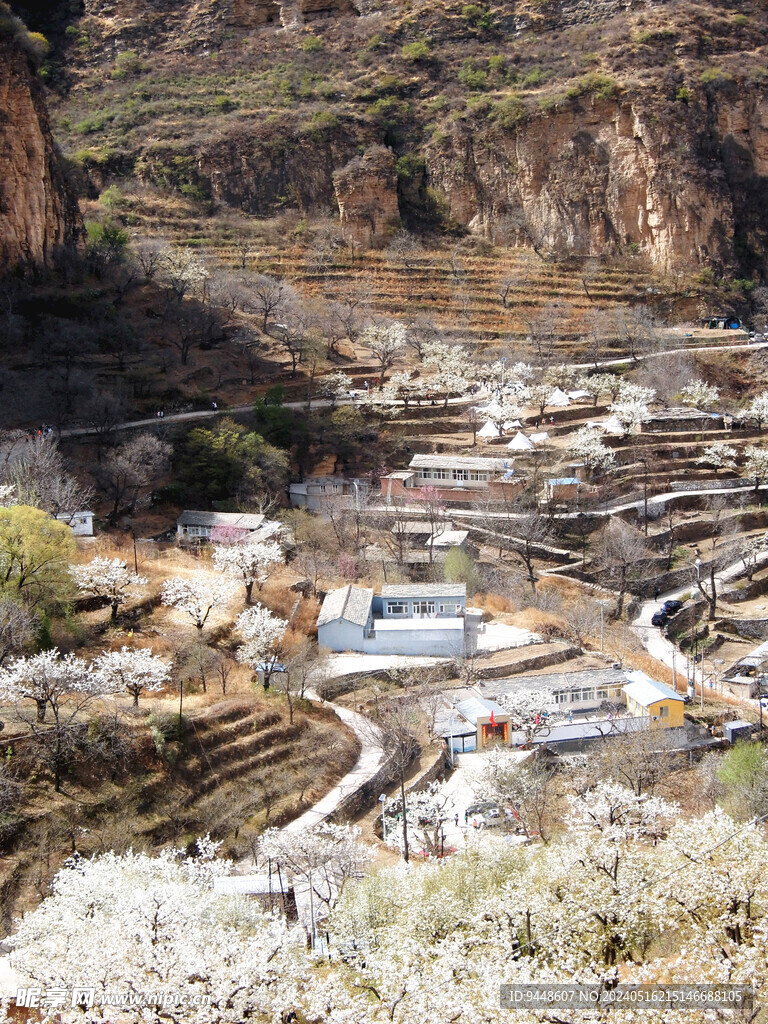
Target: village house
x,y
569,691
453,478
647,698
743,678
409,619
313,491
193,527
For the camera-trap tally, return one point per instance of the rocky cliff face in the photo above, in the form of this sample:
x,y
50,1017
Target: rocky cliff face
x,y
366,191
38,215
686,188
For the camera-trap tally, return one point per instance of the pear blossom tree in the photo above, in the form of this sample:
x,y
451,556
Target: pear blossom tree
x,y
630,406
503,410
335,386
587,445
65,687
699,394
220,957
196,596
263,633
385,341
718,456
326,857
109,578
598,384
136,670
756,464
757,412
428,811
249,562
526,788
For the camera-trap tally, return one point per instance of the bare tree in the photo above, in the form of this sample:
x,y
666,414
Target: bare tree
x,y
37,471
130,468
267,298
620,558
396,724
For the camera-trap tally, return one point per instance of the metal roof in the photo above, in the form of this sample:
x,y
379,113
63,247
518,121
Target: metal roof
x,y
644,690
481,707
448,539
417,526
424,590
353,604
246,885
240,520
458,462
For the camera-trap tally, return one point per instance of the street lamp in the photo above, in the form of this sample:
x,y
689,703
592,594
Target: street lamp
x,y
451,740
503,367
602,602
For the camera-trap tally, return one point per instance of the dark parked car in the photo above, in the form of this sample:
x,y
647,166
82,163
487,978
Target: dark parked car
x,y
671,607
659,619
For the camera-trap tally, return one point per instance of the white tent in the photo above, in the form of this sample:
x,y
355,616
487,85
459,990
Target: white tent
x,y
512,424
579,395
558,399
520,443
539,438
489,431
596,425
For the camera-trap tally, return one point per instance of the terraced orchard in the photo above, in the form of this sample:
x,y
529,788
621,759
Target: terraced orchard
x,y
231,769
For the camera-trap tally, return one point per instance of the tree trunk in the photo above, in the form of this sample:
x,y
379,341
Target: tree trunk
x,y
40,710
406,852
115,605
248,592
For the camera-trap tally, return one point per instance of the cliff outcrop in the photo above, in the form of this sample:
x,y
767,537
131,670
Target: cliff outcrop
x,y
39,218
686,187
366,191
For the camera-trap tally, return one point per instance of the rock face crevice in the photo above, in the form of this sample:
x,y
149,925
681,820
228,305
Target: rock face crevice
x,y
39,218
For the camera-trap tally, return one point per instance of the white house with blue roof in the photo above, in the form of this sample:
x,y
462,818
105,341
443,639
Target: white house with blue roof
x,y
412,619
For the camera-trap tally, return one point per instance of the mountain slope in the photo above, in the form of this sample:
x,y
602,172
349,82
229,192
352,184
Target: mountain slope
x,y
570,125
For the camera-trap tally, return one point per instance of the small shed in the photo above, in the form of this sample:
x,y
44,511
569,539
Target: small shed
x,y
738,730
80,523
490,720
563,488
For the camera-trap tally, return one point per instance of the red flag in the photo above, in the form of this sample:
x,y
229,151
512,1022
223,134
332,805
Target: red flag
x,y
493,720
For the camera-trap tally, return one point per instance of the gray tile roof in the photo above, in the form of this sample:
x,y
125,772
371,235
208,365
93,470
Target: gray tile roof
x,y
555,681
353,604
424,590
480,707
240,520
459,462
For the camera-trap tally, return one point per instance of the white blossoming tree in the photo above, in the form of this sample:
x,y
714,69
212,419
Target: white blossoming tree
x,y
263,633
324,857
248,562
428,810
699,394
196,596
631,405
385,341
335,386
718,456
757,412
588,446
135,670
63,686
756,464
109,578
220,957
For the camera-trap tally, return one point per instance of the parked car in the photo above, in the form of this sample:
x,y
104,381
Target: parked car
x,y
764,700
671,607
659,619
